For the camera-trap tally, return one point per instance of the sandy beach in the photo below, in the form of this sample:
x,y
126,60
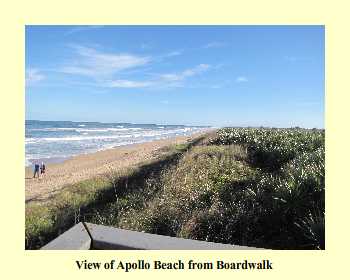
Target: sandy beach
x,y
91,165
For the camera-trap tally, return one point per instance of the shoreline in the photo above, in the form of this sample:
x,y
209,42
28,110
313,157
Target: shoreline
x,y
60,159
90,165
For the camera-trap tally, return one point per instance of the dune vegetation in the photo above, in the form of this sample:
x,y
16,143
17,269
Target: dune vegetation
x,y
260,187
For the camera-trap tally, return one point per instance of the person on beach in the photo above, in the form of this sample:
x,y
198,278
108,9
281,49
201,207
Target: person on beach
x,y
36,169
42,169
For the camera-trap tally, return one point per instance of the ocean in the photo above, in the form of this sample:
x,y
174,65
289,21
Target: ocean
x,y
55,141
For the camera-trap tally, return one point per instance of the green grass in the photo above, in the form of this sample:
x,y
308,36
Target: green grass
x,y
254,187
46,220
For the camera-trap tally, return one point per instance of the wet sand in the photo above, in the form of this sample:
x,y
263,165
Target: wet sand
x,y
92,165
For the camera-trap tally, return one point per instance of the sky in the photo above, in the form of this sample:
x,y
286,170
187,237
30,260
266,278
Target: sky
x,y
192,75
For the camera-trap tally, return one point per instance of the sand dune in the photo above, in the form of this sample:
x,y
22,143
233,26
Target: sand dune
x,y
88,166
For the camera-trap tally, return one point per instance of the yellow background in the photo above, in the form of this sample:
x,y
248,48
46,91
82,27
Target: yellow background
x,y
16,262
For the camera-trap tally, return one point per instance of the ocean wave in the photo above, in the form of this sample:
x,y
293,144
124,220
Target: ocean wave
x,y
118,128
83,138
30,140
53,129
30,158
91,130
27,162
68,141
106,129
151,133
103,137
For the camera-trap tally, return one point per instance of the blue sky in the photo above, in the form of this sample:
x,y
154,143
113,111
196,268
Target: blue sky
x,y
195,75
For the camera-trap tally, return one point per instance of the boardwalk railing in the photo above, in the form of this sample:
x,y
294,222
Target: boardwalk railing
x,y
87,236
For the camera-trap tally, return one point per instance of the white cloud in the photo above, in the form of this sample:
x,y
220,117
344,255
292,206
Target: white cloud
x,y
186,73
108,69
164,56
78,70
214,45
128,84
160,81
33,76
241,79
171,77
90,62
174,53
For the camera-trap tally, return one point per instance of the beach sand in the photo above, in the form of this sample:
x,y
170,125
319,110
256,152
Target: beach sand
x,y
92,165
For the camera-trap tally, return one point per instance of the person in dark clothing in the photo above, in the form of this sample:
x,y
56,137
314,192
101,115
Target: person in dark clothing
x,y
36,169
42,168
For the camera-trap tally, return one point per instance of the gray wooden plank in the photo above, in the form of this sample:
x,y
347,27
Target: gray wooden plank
x,y
109,238
76,238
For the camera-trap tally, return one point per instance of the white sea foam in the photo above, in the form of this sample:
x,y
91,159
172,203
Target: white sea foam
x,y
30,140
83,138
27,162
103,137
58,142
53,129
91,130
106,129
